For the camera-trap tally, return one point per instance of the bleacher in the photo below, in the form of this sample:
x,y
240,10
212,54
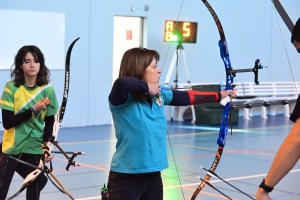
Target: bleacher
x,y
249,92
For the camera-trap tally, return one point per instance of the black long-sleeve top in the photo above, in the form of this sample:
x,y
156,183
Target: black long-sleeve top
x,y
9,120
125,85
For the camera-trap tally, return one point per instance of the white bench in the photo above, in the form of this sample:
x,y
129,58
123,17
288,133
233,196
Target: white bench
x,y
268,91
265,91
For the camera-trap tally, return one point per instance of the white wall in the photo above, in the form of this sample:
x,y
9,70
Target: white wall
x,y
250,27
29,27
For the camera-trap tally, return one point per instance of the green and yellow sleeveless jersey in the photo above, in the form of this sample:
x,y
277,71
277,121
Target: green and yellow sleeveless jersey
x,y
28,136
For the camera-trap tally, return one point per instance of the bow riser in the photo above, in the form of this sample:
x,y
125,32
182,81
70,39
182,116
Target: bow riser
x,y
224,125
224,53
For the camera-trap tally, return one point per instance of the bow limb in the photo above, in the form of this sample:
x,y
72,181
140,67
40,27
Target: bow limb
x,y
67,82
59,119
33,175
285,17
29,178
290,25
226,110
60,113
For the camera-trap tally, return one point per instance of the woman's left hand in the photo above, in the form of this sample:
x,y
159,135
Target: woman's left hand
x,y
230,93
48,157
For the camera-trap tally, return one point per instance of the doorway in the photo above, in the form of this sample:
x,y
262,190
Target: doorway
x,y
129,32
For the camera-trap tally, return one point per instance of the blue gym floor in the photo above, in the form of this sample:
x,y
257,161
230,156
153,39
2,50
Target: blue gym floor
x,y
246,159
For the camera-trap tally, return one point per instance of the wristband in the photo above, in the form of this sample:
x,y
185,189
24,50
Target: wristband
x,y
265,187
34,110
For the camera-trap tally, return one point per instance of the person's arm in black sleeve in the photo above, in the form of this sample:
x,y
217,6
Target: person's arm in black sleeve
x,y
9,119
48,130
296,112
191,97
125,85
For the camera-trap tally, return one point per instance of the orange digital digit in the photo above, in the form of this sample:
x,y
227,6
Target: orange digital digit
x,y
186,29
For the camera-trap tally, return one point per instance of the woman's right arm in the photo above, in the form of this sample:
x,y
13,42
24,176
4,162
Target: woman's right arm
x,y
9,119
124,85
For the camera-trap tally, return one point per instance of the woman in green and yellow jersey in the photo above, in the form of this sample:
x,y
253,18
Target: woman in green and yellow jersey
x,y
26,118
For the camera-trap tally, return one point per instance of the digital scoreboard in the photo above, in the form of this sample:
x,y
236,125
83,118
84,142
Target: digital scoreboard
x,y
180,31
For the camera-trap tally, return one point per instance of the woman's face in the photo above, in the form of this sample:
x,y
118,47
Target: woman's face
x,y
30,66
152,72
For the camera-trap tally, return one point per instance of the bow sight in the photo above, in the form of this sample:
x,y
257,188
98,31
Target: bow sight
x,y
255,69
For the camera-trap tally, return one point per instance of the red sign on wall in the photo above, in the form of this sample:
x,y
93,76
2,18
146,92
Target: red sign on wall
x,y
129,35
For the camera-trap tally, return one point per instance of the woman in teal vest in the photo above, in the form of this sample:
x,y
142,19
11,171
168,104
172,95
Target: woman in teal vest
x,y
137,105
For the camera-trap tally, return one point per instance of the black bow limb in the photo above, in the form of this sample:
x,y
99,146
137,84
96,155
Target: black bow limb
x,y
32,176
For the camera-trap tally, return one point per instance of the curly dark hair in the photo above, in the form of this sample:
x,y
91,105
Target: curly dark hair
x,y
17,73
296,32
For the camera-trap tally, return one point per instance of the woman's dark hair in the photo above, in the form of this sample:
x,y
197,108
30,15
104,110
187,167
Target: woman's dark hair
x,y
135,61
296,32
17,73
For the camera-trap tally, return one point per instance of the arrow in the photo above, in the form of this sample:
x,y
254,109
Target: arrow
x,y
213,174
212,186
